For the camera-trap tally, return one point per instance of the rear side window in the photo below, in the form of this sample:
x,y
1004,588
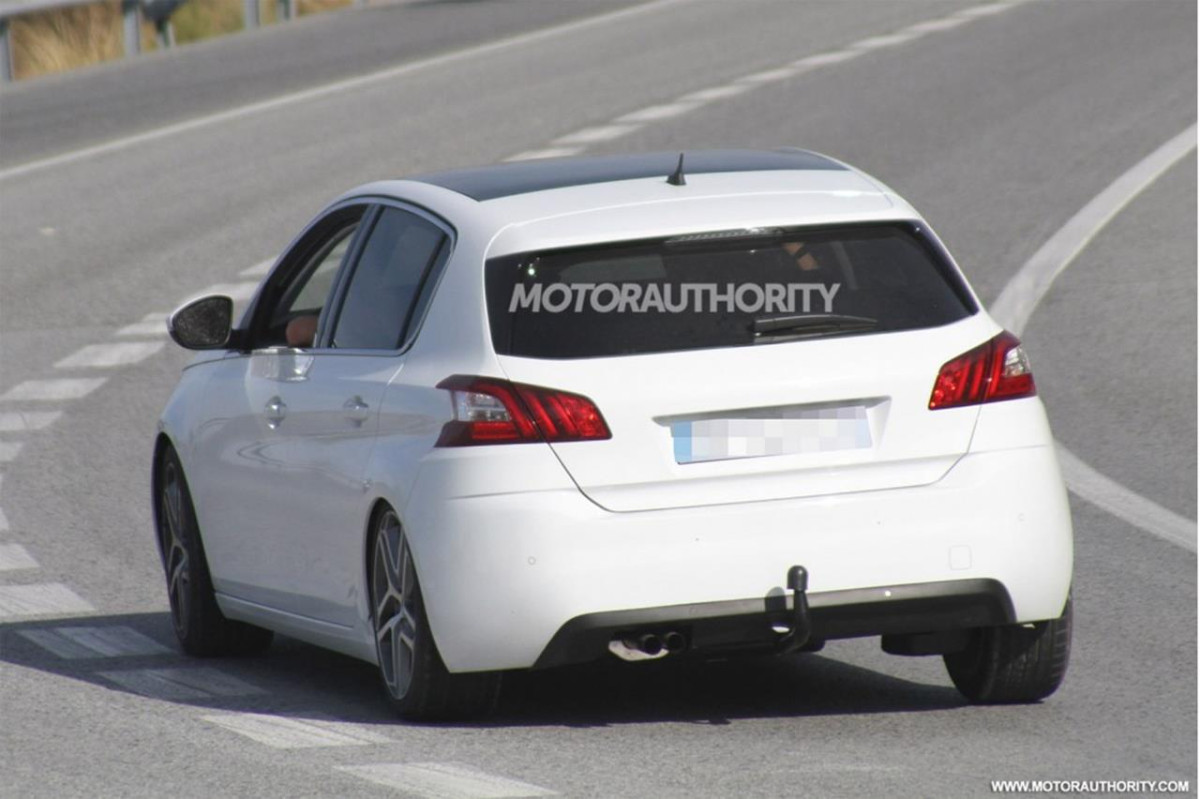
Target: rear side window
x,y
729,289
397,258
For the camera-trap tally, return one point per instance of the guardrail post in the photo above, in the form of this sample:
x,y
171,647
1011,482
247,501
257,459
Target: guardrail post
x,y
132,27
284,9
6,64
166,33
250,16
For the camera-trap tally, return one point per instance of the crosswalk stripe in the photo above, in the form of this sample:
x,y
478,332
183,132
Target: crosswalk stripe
x,y
282,732
200,682
73,643
445,781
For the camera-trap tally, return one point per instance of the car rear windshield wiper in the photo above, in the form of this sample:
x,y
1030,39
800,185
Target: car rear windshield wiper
x,y
769,327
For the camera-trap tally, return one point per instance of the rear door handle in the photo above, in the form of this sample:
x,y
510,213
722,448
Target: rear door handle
x,y
357,411
275,411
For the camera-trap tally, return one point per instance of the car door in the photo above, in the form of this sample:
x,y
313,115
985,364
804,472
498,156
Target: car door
x,y
322,354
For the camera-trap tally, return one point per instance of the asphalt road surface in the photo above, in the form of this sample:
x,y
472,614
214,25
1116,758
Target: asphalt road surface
x,y
128,188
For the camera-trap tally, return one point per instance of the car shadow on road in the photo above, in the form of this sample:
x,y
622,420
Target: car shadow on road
x,y
303,681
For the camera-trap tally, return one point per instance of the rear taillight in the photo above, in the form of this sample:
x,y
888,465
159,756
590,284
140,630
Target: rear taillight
x,y
995,370
492,411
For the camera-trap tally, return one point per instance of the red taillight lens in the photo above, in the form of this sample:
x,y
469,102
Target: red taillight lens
x,y
492,411
995,370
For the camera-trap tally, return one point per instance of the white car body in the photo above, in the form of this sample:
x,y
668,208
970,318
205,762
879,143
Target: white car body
x,y
521,550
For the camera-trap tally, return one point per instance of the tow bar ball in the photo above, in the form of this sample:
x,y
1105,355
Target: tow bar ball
x,y
797,637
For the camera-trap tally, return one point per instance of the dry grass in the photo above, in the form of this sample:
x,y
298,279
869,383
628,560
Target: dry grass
x,y
68,38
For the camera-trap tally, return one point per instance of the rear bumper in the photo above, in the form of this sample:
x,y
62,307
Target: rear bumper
x,y
504,572
748,624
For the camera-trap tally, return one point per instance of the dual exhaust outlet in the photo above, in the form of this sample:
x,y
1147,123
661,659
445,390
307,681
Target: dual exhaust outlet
x,y
654,645
648,646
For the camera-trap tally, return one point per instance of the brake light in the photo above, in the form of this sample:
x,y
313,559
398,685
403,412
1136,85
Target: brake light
x,y
492,411
993,371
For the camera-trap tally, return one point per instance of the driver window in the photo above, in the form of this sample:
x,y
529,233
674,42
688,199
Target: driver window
x,y
293,321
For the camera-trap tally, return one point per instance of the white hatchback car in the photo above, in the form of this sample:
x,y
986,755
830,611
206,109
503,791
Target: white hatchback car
x,y
637,407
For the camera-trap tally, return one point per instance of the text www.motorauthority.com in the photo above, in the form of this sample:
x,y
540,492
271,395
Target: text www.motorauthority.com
x,y
1090,786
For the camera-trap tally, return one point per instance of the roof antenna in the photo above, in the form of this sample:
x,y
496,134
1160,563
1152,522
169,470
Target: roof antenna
x,y
677,178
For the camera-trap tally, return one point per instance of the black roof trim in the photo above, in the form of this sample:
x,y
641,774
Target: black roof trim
x,y
523,177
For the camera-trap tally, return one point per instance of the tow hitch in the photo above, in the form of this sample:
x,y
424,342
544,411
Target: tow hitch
x,y
797,637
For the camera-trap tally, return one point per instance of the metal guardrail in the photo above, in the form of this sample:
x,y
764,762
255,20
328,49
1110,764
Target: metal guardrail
x,y
132,12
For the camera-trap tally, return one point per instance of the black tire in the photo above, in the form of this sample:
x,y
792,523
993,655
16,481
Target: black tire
x,y
201,628
1015,663
414,676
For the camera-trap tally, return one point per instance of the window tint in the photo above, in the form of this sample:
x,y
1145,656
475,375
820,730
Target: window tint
x,y
725,289
397,256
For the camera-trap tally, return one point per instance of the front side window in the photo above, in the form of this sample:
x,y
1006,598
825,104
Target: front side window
x,y
299,294
396,261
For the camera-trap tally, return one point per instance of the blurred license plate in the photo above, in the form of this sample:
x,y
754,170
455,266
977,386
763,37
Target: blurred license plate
x,y
785,432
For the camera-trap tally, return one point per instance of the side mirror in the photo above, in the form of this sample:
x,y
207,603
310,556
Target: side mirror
x,y
203,324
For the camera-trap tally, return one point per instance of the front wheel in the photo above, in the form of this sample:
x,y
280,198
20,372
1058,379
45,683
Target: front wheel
x,y
1015,663
414,676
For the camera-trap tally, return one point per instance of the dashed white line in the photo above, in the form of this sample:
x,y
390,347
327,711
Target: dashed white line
x,y
106,356
548,152
3,520
234,291
41,599
25,421
770,75
445,781
594,134
9,451
984,10
152,324
73,643
181,684
281,732
52,390
656,112
14,557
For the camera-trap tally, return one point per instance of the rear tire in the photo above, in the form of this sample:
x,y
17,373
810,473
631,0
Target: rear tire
x,y
1015,663
200,626
416,680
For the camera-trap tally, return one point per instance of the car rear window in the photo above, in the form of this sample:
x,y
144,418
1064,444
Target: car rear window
x,y
724,289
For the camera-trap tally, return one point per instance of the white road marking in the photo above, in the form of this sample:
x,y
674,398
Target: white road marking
x,y
152,324
1033,280
336,87
1020,298
825,59
656,112
985,10
938,25
260,269
549,152
445,781
282,732
52,390
73,643
3,520
770,75
105,356
24,421
15,556
594,134
40,599
879,42
181,684
234,291
1125,504
9,451
717,93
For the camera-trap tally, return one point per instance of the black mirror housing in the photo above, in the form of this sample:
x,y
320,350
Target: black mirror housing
x,y
203,324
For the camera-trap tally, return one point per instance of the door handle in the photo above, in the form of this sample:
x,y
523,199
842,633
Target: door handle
x,y
274,411
357,411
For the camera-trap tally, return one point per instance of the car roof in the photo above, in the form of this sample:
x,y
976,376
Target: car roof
x,y
524,177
